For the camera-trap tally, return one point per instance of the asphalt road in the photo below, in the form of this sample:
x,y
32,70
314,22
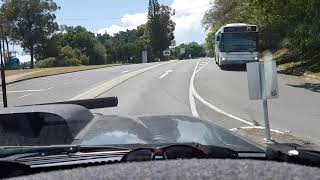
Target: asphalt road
x,y
297,110
65,86
190,87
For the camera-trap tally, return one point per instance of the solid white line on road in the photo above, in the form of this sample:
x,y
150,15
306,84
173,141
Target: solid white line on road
x,y
101,89
125,72
203,67
191,97
24,96
30,90
165,74
195,94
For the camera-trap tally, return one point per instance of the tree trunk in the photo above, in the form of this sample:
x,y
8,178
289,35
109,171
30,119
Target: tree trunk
x,y
8,54
31,55
8,51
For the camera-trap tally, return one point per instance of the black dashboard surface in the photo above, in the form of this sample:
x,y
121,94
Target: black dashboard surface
x,y
187,169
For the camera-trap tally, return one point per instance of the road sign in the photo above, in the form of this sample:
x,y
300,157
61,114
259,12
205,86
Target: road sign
x,y
144,56
182,50
263,84
258,71
166,52
173,43
271,79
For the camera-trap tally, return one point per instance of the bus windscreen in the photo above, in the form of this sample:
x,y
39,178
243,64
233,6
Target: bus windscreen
x,y
240,42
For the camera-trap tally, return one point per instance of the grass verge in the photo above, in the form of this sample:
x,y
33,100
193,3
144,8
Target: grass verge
x,y
258,135
19,75
296,62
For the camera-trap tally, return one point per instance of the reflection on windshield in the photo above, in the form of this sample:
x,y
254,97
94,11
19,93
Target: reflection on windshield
x,y
239,42
115,137
188,133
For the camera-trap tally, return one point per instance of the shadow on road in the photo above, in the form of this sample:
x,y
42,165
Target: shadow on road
x,y
290,72
308,86
234,68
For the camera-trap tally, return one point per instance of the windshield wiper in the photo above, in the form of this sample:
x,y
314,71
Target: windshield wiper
x,y
13,153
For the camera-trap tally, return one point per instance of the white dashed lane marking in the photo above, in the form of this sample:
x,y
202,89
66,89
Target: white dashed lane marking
x,y
29,90
165,74
24,96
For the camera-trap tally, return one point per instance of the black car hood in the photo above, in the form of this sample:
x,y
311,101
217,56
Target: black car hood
x,y
72,124
111,130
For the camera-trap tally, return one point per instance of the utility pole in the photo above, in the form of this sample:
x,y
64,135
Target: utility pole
x,y
3,76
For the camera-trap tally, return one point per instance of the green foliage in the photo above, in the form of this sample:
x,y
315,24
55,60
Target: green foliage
x,y
193,49
68,56
30,21
25,65
283,23
54,62
99,55
126,46
49,62
48,48
67,52
222,12
160,27
75,42
210,43
85,41
84,59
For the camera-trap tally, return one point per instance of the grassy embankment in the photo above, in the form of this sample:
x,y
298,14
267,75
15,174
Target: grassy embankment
x,y
18,75
297,63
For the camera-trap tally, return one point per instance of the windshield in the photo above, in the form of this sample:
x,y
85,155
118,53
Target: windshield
x,y
239,42
144,72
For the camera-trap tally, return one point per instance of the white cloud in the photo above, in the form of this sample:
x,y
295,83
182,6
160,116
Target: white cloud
x,y
115,29
134,19
129,22
187,18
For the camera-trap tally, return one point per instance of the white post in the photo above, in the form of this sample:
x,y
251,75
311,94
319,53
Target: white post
x,y
265,101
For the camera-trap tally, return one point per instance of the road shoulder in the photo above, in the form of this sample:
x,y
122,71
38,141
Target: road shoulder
x,y
45,72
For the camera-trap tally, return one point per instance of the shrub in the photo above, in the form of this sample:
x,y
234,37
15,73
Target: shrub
x,y
72,62
53,62
84,59
48,62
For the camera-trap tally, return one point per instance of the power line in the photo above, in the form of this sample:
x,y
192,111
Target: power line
x,y
88,19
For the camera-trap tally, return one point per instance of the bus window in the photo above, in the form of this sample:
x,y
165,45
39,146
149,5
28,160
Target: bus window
x,y
239,42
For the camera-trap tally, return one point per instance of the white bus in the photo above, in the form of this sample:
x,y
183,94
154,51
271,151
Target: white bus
x,y
236,44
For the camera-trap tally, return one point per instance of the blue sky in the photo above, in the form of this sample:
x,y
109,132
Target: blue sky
x,y
112,16
98,14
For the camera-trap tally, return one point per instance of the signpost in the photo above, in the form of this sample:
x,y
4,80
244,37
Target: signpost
x,y
166,53
144,56
3,76
263,85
